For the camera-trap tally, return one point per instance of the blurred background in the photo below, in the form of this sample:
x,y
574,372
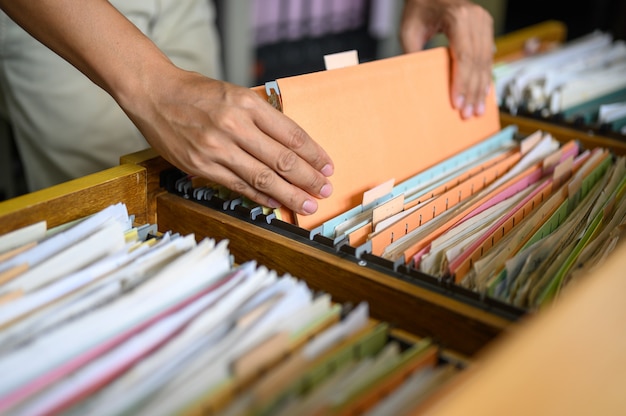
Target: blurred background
x,y
267,39
289,37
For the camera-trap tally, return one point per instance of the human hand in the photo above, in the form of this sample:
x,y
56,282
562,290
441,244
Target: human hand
x,y
207,128
230,135
469,29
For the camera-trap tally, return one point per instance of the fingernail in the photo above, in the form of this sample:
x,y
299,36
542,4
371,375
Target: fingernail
x,y
309,207
272,203
327,170
467,111
480,109
459,101
326,190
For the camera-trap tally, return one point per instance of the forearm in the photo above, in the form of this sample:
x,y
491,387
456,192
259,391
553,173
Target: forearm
x,y
203,126
95,38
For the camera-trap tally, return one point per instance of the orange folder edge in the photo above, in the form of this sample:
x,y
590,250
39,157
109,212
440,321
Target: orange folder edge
x,y
390,118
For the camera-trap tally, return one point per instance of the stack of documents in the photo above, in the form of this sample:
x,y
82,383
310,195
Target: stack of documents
x,y
511,219
419,188
103,317
579,82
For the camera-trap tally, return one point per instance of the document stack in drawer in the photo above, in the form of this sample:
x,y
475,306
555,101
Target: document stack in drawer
x,y
103,317
579,84
420,190
511,220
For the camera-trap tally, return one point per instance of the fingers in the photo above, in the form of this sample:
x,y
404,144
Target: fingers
x,y
284,162
229,135
469,29
246,175
470,33
267,157
287,133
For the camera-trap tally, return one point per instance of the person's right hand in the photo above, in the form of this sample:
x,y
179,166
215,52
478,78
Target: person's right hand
x,y
230,135
469,28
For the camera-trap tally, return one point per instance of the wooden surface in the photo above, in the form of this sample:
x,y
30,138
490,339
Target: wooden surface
x,y
569,360
455,324
77,198
512,45
154,165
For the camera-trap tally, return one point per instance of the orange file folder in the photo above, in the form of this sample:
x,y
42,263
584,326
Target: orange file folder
x,y
381,120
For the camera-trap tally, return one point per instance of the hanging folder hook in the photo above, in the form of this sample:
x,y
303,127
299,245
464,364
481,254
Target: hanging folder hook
x,y
273,95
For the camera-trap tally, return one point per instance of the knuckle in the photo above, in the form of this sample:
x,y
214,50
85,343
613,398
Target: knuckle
x,y
293,201
208,139
463,56
194,163
463,12
473,10
317,161
297,138
228,120
209,151
246,99
486,16
239,186
316,182
286,161
457,14
263,180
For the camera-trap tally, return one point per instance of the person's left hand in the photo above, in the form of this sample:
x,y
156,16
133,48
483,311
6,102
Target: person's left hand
x,y
469,29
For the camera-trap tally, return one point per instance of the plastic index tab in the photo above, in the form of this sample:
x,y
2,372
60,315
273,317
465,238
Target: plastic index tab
x,y
502,139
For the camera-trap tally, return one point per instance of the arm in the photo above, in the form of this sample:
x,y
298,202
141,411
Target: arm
x,y
469,29
203,126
